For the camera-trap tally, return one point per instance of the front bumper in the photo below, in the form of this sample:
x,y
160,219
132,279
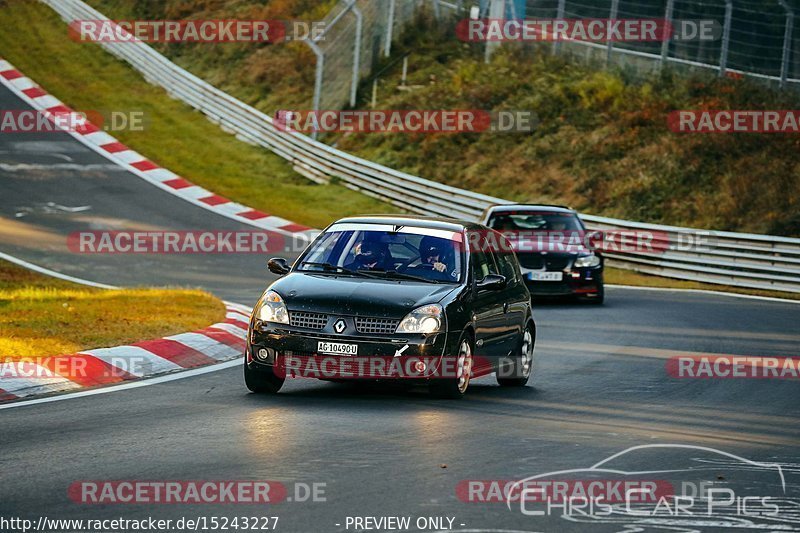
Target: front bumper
x,y
293,352
576,282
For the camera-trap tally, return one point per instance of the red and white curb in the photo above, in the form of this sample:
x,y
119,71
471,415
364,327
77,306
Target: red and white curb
x,y
107,366
109,147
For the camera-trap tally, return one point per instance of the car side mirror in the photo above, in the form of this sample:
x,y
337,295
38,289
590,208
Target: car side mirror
x,y
492,282
594,240
278,265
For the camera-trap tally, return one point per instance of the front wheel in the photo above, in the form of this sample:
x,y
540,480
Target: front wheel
x,y
455,386
520,368
262,381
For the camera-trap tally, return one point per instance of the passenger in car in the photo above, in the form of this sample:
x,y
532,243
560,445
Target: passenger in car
x,y
371,256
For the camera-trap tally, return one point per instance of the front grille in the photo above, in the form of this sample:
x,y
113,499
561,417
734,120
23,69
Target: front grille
x,y
545,288
381,326
301,319
537,262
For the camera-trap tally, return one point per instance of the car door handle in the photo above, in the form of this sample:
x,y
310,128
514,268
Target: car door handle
x,y
505,307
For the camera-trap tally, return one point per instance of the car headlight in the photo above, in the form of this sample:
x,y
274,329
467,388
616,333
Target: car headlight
x,y
273,309
425,319
585,261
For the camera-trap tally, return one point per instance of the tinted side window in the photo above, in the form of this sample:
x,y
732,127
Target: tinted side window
x,y
506,261
482,263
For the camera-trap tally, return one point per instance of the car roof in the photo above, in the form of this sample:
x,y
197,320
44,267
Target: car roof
x,y
531,207
449,224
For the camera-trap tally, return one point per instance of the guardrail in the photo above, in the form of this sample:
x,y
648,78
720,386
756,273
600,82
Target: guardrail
x,y
744,260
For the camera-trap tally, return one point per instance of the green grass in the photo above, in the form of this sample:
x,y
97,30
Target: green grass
x,y
269,76
176,137
43,316
602,145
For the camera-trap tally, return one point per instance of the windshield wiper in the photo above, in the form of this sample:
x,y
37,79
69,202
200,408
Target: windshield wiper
x,y
401,275
328,267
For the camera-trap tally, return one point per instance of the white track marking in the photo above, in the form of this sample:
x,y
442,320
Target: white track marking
x,y
134,360
42,380
129,156
232,329
206,345
53,273
126,386
6,167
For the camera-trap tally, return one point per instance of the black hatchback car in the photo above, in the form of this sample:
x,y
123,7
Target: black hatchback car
x,y
389,298
555,250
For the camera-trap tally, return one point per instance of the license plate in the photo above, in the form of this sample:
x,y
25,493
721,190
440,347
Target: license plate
x,y
545,276
337,348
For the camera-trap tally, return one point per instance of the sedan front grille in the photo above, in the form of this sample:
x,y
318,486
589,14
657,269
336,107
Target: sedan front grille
x,y
302,319
538,262
381,326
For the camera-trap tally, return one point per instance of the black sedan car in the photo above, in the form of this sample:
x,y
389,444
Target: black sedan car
x,y
554,248
390,298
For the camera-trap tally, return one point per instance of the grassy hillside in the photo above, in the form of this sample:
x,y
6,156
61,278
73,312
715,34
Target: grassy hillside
x,y
268,76
602,145
176,137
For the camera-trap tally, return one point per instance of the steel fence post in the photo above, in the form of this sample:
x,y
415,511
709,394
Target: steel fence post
x,y
609,42
667,35
317,78
356,53
559,16
497,10
726,38
787,42
387,48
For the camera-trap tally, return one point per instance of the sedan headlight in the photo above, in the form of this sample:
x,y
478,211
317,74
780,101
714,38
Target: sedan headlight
x,y
273,309
586,261
425,319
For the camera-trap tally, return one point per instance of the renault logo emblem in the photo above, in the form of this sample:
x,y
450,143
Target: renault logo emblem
x,y
339,326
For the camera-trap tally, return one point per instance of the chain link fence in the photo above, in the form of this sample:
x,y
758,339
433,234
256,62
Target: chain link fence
x,y
357,33
757,37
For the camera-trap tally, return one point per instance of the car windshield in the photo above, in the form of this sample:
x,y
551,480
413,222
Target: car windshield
x,y
386,251
534,221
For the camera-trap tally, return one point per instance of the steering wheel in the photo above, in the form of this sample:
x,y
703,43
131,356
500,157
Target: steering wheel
x,y
404,264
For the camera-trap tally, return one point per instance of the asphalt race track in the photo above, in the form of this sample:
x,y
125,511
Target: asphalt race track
x,y
600,387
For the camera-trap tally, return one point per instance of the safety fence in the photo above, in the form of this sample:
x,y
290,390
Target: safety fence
x,y
745,260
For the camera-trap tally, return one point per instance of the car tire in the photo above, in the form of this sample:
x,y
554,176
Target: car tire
x,y
522,364
262,381
455,387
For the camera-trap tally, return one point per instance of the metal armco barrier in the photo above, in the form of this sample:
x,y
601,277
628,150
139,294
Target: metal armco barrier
x,y
743,260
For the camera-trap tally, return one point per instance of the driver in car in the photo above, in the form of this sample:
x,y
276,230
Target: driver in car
x,y
433,258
